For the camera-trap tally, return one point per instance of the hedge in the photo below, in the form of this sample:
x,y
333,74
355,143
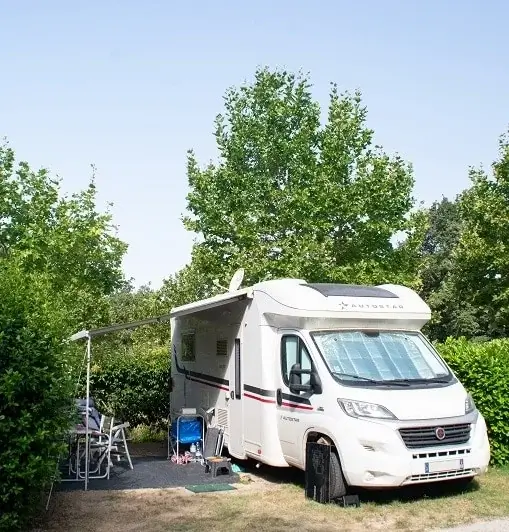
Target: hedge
x,y
133,388
35,397
483,368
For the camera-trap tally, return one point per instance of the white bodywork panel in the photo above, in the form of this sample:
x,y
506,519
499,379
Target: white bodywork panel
x,y
264,420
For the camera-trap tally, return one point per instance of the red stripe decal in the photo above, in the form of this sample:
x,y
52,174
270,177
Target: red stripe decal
x,y
293,405
259,398
210,384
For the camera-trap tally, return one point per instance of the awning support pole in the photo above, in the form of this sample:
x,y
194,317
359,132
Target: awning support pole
x,y
89,349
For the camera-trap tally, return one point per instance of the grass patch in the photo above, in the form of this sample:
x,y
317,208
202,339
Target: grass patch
x,y
146,434
272,507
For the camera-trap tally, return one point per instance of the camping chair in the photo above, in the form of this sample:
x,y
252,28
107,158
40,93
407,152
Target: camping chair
x,y
188,428
100,449
118,443
111,441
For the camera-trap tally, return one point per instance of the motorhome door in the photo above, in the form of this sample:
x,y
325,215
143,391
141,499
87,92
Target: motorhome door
x,y
235,405
294,409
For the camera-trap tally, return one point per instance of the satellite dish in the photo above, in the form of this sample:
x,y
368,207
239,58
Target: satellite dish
x,y
236,281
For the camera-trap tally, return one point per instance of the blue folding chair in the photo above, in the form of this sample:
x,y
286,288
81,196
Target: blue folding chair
x,y
185,430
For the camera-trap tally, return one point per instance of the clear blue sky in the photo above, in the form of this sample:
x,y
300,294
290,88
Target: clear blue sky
x,y
129,86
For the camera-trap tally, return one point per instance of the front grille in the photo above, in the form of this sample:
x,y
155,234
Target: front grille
x,y
457,473
418,437
439,454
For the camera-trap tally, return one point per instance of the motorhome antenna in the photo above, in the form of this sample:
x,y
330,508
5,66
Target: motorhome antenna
x,y
236,281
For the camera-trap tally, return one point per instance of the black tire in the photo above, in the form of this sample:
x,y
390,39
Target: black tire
x,y
337,486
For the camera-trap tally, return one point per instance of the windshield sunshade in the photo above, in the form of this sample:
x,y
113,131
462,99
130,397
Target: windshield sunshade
x,y
381,356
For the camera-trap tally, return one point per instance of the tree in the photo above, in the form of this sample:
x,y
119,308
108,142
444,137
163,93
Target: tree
x,y
450,315
65,238
481,275
290,197
442,235
131,305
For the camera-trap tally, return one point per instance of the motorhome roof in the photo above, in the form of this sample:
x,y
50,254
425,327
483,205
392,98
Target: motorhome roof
x,y
296,303
297,297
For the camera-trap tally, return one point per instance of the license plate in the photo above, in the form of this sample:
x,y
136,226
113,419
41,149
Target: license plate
x,y
442,466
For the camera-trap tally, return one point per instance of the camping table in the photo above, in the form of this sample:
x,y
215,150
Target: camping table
x,y
77,434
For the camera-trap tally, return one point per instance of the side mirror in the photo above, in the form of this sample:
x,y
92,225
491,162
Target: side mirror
x,y
314,386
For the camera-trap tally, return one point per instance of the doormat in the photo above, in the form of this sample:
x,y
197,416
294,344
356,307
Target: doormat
x,y
206,488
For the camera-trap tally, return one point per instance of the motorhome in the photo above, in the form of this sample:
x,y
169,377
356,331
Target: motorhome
x,y
286,362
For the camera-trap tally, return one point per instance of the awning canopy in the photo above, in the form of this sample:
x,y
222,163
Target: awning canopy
x,y
211,302
92,333
204,304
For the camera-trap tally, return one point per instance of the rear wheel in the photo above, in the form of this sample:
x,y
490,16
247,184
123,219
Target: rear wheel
x,y
337,481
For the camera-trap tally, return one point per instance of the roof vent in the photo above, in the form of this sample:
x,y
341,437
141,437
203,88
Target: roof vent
x,y
350,290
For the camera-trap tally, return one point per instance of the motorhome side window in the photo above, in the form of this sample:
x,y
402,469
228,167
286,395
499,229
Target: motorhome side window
x,y
188,347
294,351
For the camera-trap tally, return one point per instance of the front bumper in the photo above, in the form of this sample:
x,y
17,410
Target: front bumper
x,y
375,456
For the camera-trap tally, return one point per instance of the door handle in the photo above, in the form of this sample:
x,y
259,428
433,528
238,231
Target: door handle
x,y
279,397
232,394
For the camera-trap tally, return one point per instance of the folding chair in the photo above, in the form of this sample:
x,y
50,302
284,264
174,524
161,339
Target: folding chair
x,y
187,428
111,441
118,443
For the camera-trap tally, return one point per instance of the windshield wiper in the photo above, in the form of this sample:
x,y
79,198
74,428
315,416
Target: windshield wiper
x,y
433,380
367,379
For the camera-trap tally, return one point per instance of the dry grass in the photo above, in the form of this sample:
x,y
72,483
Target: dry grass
x,y
267,506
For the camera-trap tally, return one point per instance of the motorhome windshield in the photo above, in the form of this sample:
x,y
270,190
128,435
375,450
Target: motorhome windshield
x,y
380,357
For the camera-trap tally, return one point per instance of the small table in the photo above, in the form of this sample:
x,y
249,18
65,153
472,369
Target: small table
x,y
77,433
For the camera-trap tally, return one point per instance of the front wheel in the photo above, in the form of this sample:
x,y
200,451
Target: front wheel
x,y
337,487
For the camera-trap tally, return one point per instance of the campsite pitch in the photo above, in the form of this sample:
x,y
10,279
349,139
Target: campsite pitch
x,y
265,504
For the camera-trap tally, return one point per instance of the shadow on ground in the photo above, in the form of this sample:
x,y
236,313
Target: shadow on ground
x,y
152,469
296,477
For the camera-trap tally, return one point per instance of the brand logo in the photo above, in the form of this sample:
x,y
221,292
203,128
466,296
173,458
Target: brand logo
x,y
344,306
440,433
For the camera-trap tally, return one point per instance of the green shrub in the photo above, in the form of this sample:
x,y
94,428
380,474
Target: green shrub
x,y
133,387
145,433
483,368
35,396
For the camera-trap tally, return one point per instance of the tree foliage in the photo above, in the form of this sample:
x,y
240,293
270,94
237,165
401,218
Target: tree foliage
x,y
132,305
59,260
292,197
65,238
481,275
450,316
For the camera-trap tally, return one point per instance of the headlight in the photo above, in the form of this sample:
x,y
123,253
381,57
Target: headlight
x,y
469,404
361,409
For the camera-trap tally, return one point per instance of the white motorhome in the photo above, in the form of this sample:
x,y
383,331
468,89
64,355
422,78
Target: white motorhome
x,y
286,362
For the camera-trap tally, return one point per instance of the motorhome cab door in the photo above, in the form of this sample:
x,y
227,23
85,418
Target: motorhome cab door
x,y
235,408
294,408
